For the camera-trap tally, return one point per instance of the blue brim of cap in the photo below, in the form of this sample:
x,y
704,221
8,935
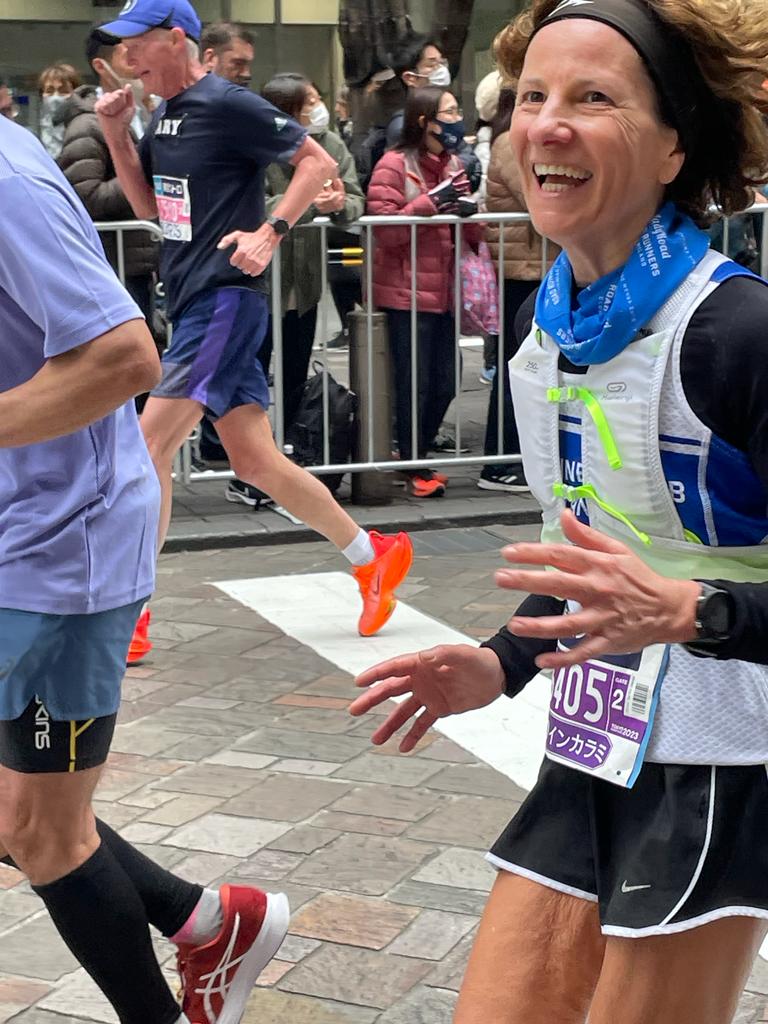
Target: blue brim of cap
x,y
124,28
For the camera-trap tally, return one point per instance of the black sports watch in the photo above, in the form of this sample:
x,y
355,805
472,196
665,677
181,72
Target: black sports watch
x,y
714,620
279,225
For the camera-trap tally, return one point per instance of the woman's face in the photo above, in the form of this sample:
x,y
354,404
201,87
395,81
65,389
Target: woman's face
x,y
448,110
594,157
311,100
55,86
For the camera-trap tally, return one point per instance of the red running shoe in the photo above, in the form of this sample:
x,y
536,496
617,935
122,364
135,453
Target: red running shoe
x,y
380,578
141,645
218,978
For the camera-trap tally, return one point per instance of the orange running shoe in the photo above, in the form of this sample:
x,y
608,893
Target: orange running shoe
x,y
422,487
141,645
380,578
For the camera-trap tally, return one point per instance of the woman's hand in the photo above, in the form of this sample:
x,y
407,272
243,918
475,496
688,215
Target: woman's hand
x,y
445,680
625,606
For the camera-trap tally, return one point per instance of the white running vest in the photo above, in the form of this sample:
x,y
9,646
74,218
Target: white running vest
x,y
622,446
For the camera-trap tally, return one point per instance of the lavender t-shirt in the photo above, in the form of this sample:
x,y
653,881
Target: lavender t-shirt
x,y
78,515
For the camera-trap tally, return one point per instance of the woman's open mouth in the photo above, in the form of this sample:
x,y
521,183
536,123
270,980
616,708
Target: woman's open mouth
x,y
560,177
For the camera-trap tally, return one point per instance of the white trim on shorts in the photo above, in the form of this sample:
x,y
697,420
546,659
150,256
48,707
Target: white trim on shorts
x,y
684,926
533,876
704,850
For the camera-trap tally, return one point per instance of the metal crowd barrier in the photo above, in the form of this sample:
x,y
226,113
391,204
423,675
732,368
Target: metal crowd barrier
x,y
365,256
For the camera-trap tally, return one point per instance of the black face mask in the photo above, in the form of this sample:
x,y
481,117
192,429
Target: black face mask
x,y
452,134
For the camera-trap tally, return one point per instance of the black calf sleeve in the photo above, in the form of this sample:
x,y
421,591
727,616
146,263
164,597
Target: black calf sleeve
x,y
100,916
168,899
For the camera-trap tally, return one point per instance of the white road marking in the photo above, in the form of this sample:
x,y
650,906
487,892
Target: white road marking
x,y
321,610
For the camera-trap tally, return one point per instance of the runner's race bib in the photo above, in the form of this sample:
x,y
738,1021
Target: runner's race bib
x,y
174,208
601,713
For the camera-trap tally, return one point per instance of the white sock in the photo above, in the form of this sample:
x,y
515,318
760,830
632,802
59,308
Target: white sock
x,y
183,1019
204,923
360,551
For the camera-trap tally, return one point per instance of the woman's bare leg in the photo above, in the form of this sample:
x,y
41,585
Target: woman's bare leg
x,y
693,977
536,959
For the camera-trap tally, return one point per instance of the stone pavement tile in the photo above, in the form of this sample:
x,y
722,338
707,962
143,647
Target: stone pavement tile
x,y
17,904
205,868
153,766
352,921
144,832
433,935
439,897
356,976
253,690
305,839
370,865
339,686
35,1016
170,629
465,869
450,973
422,1006
751,1009
758,979
397,771
79,995
313,746
303,700
116,783
136,688
298,766
268,866
231,724
16,994
443,749
209,703
295,948
273,972
286,798
225,833
52,959
478,780
240,759
297,895
209,780
146,799
170,694
363,823
318,720
223,640
206,670
383,802
166,856
475,821
269,1006
198,747
225,612
181,809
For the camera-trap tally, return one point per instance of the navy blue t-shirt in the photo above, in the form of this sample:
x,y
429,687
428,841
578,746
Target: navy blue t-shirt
x,y
205,154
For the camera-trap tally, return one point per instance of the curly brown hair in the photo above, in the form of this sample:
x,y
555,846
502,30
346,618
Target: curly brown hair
x,y
729,39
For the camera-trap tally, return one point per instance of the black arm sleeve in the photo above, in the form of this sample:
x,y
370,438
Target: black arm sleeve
x,y
517,653
724,369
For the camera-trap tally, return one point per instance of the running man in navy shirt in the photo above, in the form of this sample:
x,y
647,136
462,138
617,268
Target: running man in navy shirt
x,y
200,170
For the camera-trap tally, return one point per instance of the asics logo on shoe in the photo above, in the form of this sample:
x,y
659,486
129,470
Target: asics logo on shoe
x,y
633,888
217,982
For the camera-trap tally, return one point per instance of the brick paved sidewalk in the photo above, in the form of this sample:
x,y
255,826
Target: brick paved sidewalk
x,y
236,761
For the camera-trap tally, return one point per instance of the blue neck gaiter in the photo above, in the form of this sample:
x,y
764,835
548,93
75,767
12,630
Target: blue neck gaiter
x,y
606,316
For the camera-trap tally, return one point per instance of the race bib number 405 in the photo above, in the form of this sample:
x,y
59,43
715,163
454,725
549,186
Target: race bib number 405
x,y
601,713
174,207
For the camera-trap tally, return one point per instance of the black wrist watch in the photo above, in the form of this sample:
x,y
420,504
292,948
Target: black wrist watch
x,y
714,620
279,225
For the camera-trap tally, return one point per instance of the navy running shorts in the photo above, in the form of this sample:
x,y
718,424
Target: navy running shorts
x,y
213,354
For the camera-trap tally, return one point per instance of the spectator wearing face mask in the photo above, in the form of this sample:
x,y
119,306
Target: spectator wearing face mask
x,y
420,63
56,85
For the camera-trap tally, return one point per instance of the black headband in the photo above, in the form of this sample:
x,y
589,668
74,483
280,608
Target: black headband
x,y
666,54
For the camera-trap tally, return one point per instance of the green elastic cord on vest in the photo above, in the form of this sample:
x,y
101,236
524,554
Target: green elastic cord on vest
x,y
691,536
593,407
539,338
573,494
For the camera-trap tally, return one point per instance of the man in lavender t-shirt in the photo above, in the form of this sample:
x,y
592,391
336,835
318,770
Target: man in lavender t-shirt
x,y
79,503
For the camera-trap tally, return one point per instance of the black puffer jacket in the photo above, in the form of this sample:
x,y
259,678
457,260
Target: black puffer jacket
x,y
88,166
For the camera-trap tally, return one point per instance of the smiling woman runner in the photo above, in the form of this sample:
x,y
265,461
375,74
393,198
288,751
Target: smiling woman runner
x,y
632,882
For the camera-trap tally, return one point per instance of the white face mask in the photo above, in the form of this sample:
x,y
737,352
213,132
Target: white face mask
x,y
440,76
319,119
51,104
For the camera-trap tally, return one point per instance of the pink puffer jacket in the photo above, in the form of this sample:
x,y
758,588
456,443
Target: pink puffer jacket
x,y
435,268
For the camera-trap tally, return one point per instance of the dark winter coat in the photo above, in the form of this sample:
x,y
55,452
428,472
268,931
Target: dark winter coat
x,y
435,266
86,162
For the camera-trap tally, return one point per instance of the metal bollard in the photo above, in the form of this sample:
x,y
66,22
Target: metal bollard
x,y
373,436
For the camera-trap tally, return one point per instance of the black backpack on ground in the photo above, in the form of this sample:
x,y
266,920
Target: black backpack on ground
x,y
306,433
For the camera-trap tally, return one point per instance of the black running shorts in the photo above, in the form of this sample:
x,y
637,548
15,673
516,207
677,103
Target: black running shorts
x,y
34,742
685,846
